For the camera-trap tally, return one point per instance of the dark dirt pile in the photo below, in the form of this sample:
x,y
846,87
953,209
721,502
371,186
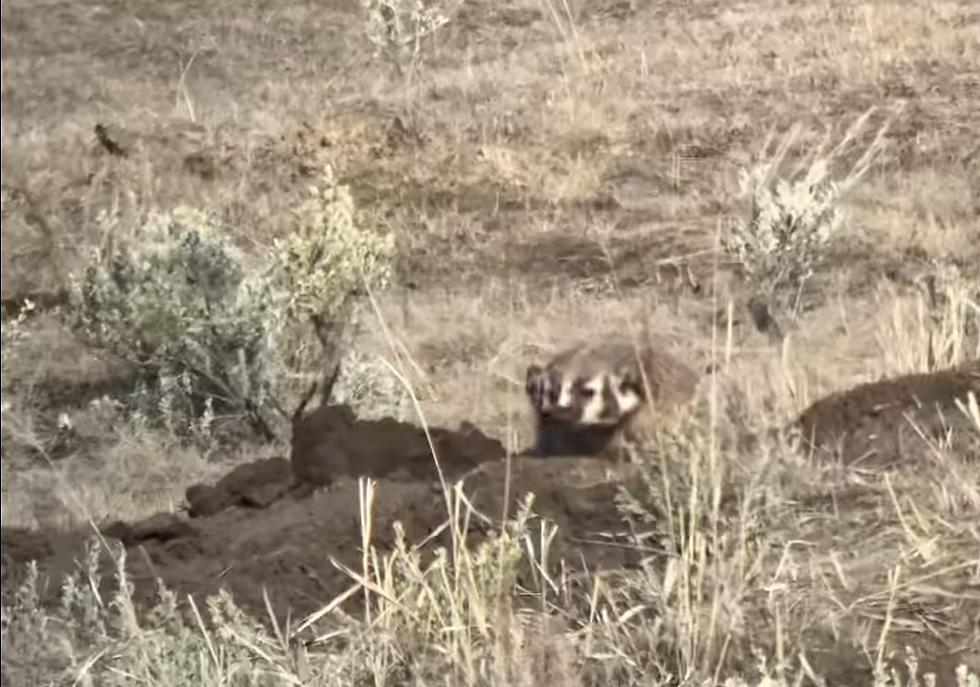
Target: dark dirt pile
x,y
331,443
273,524
878,425
287,545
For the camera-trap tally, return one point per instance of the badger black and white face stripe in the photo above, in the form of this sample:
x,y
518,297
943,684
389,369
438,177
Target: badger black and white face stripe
x,y
582,400
607,399
542,387
595,400
627,393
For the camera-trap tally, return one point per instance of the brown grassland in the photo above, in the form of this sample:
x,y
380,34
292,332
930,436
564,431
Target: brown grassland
x,y
550,171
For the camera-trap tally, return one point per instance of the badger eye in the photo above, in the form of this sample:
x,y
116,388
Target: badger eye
x,y
587,392
630,386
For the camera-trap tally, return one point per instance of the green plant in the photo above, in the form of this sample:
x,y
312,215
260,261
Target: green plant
x,y
174,294
793,217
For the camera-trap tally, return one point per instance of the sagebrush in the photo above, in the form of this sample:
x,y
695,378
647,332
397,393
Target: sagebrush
x,y
174,294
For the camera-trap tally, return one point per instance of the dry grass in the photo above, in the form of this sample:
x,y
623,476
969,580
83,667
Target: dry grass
x,y
536,131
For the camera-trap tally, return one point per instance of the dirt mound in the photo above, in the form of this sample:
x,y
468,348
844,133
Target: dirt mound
x,y
877,425
254,485
331,443
287,546
272,525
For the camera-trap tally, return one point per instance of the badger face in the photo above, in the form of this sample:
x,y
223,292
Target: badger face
x,y
588,396
559,398
586,388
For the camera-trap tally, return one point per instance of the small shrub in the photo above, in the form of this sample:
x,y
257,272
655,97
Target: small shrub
x,y
173,294
396,29
793,218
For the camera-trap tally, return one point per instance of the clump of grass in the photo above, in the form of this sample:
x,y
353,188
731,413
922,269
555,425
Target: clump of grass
x,y
446,617
706,508
937,328
441,615
97,634
745,557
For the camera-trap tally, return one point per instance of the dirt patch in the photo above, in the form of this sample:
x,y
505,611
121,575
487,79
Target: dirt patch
x,y
878,424
670,261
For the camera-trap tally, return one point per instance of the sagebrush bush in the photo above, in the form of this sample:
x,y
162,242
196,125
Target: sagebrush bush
x,y
793,217
174,294
396,29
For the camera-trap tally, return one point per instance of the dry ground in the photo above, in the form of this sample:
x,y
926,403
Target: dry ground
x,y
545,178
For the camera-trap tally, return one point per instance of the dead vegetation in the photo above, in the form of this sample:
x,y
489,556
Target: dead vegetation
x,y
543,168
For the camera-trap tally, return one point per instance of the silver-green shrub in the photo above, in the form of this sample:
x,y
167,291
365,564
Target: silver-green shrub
x,y
173,293
794,215
396,28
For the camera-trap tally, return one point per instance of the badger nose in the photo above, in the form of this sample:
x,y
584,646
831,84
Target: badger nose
x,y
609,413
